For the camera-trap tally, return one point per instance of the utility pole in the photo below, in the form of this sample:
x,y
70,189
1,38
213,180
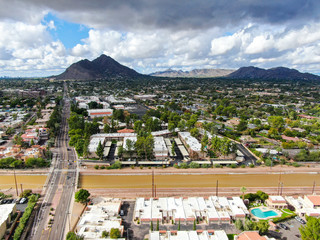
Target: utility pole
x,y
314,186
281,189
21,188
152,183
15,180
155,190
217,188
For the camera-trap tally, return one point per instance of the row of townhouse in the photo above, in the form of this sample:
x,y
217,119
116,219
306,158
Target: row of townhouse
x,y
207,210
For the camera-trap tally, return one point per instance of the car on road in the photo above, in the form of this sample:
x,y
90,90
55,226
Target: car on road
x,y
300,220
283,226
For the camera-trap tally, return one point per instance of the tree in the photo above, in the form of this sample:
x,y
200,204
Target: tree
x,y
151,226
195,132
262,227
242,125
130,147
31,142
106,128
179,225
105,234
238,224
310,231
248,225
73,236
243,190
172,148
82,196
194,225
157,228
100,150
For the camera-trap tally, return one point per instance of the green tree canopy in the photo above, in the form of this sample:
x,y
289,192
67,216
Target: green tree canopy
x,y
311,231
82,196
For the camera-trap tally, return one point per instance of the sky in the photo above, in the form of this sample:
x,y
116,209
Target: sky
x,y
43,37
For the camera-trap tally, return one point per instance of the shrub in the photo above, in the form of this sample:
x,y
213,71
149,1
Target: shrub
x,y
96,167
194,165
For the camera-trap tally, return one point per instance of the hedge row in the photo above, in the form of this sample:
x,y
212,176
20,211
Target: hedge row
x,y
281,219
23,220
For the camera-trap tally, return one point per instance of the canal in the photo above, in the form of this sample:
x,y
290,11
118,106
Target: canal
x,y
27,181
197,181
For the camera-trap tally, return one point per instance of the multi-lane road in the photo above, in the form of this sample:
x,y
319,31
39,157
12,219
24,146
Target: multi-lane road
x,y
60,186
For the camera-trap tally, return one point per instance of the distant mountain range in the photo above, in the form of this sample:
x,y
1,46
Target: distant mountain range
x,y
101,68
105,67
197,73
278,73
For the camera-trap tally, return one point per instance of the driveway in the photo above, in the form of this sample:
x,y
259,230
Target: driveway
x,y
292,234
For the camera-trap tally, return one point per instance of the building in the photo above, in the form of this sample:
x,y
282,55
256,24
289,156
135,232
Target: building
x,y
277,202
189,235
205,210
251,235
93,145
93,113
144,97
160,150
192,144
103,215
307,206
7,210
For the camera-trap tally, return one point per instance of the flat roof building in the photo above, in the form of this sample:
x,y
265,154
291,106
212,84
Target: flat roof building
x,y
7,210
93,113
189,235
103,215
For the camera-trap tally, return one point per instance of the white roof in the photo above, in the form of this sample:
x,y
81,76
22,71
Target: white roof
x,y
93,145
6,210
191,141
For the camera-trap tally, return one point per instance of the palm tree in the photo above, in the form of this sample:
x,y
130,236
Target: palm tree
x,y
243,190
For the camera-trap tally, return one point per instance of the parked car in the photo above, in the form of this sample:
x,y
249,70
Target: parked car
x,y
300,220
121,212
23,200
283,226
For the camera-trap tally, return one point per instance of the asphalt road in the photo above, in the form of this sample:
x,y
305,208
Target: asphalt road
x,y
249,158
62,178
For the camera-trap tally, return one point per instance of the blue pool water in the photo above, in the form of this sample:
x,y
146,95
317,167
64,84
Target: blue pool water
x,y
260,214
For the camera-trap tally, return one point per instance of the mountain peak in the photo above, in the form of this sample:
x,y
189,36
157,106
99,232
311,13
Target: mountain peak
x,y
277,73
100,68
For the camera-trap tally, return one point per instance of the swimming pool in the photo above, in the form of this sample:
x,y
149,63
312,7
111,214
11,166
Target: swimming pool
x,y
263,214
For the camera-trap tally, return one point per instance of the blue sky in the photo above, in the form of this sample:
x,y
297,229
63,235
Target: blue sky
x,y
42,38
70,34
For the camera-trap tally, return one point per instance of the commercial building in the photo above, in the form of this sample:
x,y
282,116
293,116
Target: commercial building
x,y
205,210
103,215
7,210
93,113
189,235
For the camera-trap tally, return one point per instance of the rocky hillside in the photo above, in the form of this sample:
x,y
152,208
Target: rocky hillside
x,y
100,68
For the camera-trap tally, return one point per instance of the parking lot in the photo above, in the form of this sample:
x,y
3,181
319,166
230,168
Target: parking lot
x,y
20,207
292,233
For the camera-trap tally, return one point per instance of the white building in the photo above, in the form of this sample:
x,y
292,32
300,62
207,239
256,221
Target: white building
x,y
191,143
207,210
307,206
160,149
103,215
189,235
93,145
7,210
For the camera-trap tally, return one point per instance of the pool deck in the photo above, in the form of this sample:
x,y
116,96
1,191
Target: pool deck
x,y
265,209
